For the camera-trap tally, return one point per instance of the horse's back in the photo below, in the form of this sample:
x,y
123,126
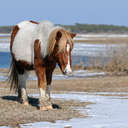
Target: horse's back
x,y
22,46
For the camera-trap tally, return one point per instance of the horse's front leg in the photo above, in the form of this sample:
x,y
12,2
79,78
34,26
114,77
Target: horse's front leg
x,y
49,80
44,103
49,71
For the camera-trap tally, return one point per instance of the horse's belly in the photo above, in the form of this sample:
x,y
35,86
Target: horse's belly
x,y
23,43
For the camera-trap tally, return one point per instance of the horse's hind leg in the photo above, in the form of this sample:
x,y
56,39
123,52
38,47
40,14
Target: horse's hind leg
x,y
22,94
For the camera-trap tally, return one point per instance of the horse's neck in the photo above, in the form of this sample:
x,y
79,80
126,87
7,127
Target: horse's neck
x,y
42,32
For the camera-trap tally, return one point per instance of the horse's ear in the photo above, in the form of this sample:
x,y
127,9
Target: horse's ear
x,y
58,35
73,35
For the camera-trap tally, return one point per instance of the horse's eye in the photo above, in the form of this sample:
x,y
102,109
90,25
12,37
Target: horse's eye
x,y
56,46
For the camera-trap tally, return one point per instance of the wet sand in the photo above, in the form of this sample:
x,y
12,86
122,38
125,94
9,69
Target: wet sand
x,y
92,84
13,113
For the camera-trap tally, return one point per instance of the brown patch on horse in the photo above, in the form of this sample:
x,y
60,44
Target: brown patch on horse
x,y
26,65
13,72
62,61
34,22
50,63
14,32
73,35
22,66
39,65
17,67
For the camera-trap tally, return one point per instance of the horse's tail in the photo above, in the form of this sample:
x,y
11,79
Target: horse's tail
x,y
13,75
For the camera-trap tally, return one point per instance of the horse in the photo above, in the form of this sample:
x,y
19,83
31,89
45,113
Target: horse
x,y
38,46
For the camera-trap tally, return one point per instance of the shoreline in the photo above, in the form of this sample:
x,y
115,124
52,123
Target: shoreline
x,y
103,83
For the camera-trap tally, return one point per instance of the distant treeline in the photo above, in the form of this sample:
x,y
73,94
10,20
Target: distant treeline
x,y
94,28
83,28
6,29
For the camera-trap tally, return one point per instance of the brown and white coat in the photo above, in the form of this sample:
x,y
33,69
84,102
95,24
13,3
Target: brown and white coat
x,y
38,46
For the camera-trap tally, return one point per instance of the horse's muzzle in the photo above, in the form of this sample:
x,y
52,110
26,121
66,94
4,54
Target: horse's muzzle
x,y
68,72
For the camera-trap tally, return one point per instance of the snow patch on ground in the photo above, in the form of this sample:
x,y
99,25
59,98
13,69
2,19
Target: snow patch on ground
x,y
107,112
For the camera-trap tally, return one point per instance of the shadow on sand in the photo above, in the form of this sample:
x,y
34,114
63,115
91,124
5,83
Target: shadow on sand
x,y
32,101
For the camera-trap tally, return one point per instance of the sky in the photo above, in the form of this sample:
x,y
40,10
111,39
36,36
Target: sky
x,y
66,12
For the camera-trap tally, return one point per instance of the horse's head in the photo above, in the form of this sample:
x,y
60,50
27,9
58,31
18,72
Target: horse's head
x,y
62,50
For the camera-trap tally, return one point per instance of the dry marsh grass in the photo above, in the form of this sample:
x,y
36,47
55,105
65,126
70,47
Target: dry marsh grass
x,y
119,61
115,62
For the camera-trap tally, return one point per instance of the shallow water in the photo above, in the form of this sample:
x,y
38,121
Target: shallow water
x,y
4,47
5,59
81,49
95,49
85,53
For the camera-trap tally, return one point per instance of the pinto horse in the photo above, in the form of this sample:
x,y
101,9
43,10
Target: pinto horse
x,y
38,46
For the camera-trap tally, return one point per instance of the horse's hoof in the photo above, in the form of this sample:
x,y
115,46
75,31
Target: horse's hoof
x,y
26,103
49,107
45,104
45,108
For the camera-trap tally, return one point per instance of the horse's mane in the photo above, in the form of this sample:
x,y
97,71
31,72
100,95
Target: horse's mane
x,y
62,42
42,33
46,33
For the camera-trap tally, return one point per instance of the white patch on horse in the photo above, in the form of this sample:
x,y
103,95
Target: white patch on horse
x,y
68,47
22,45
42,33
42,93
24,41
68,67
